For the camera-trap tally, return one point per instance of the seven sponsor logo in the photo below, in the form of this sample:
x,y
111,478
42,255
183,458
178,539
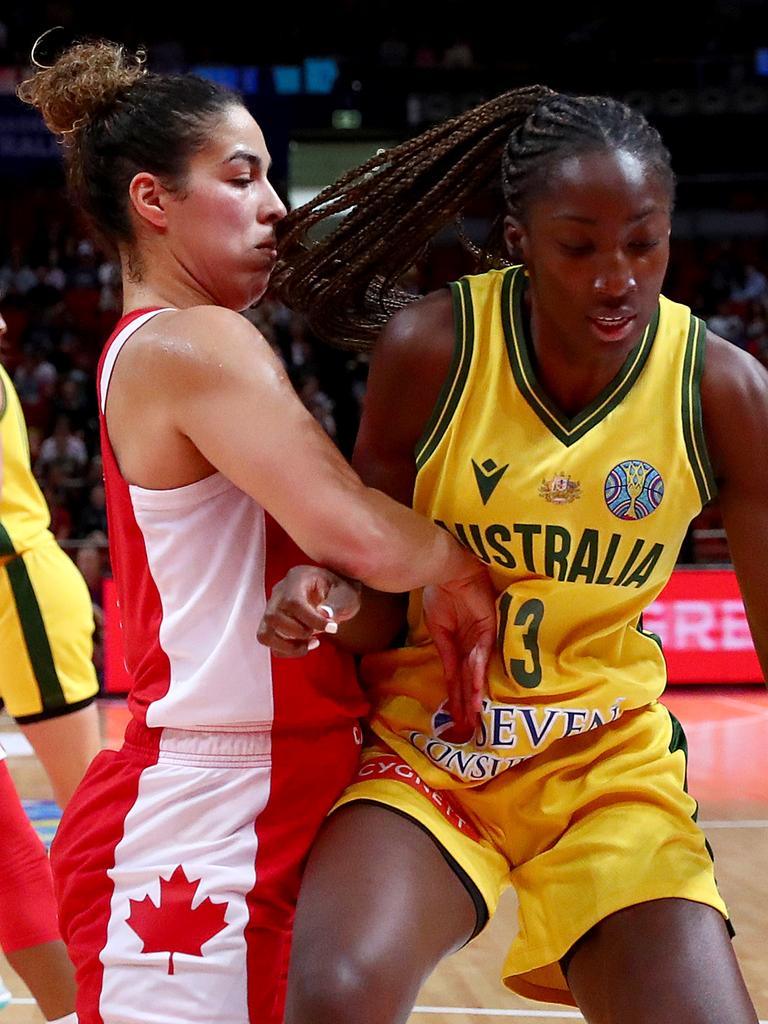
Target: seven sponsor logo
x,y
444,726
506,735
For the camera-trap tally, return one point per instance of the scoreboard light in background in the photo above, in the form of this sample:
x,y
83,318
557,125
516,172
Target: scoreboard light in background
x,y
346,119
232,76
287,80
320,75
249,81
316,76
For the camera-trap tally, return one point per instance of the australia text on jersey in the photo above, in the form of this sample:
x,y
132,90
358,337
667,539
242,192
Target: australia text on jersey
x,y
553,551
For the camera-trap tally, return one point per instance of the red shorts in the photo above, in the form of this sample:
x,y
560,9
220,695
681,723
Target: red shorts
x,y
177,866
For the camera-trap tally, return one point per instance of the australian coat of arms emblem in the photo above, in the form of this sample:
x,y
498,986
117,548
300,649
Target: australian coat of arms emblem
x,y
560,490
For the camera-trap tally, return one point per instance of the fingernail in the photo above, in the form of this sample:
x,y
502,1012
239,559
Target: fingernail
x,y
313,644
330,627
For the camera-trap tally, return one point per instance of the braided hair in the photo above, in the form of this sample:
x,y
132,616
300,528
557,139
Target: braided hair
x,y
346,282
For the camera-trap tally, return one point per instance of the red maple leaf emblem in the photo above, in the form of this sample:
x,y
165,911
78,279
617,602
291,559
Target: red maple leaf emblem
x,y
173,926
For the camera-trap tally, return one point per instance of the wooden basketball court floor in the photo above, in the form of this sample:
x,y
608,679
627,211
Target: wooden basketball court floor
x,y
727,729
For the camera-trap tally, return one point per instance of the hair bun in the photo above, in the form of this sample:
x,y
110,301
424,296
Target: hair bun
x,y
85,80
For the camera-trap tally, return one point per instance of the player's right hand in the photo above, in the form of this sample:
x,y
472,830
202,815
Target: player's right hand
x,y
307,603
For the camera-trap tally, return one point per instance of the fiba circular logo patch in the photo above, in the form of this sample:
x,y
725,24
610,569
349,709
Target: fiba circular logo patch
x,y
633,489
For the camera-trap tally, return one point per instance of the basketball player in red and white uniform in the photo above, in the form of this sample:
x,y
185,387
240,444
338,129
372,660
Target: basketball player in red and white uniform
x,y
177,862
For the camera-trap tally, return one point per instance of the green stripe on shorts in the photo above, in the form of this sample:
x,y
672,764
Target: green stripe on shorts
x,y
35,636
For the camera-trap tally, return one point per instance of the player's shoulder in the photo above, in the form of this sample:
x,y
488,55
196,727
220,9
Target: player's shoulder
x,y
207,326
197,338
420,333
734,403
730,373
420,318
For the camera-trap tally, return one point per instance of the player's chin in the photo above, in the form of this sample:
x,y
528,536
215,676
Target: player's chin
x,y
256,291
244,298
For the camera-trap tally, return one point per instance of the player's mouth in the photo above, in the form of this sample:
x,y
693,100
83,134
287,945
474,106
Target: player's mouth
x,y
613,326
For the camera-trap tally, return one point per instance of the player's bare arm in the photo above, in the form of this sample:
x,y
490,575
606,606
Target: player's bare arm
x,y
231,407
409,365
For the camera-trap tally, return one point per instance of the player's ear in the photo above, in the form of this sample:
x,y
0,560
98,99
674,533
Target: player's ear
x,y
148,198
515,239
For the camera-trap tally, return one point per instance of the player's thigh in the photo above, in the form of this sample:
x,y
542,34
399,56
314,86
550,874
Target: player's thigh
x,y
379,906
669,961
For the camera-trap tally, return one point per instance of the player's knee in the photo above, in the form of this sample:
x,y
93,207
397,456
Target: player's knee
x,y
322,991
339,991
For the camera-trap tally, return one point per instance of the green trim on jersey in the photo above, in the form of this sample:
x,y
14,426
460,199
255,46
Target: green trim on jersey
x,y
450,393
679,741
654,636
3,397
7,550
693,425
33,628
565,429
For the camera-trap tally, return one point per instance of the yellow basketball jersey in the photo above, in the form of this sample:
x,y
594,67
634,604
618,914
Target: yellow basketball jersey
x,y
24,514
579,521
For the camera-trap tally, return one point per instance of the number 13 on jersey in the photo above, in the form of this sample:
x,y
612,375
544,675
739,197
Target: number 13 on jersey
x,y
518,639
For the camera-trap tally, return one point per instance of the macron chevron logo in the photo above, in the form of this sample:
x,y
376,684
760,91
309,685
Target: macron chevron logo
x,y
488,475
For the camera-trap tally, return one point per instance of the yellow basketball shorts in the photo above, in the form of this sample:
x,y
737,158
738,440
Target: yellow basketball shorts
x,y
596,823
46,635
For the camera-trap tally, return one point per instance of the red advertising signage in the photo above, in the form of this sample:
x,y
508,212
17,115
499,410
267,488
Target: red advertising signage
x,y
699,617
703,627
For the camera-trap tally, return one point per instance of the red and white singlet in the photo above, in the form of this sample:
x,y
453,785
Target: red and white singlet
x,y
178,861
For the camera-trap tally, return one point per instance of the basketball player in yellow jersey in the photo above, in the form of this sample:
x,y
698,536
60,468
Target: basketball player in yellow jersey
x,y
47,679
566,423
